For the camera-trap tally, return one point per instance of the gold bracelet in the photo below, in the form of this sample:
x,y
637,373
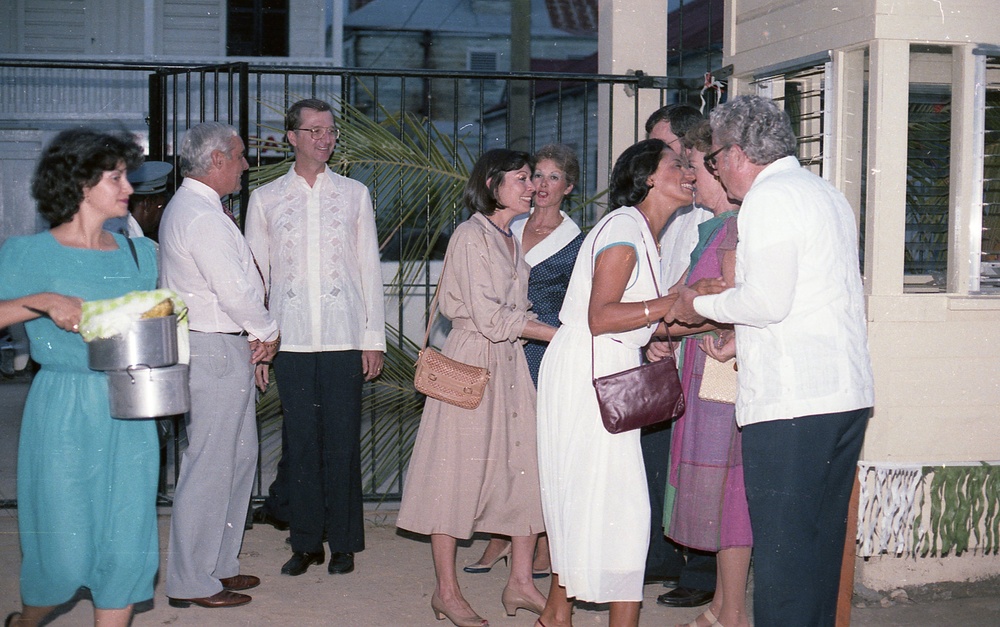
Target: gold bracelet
x,y
273,342
645,311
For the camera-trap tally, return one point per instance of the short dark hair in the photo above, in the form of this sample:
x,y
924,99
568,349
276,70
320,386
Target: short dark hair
x,y
565,158
631,171
293,117
75,160
480,192
681,117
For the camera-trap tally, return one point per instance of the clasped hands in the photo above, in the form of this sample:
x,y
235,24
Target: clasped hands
x,y
262,354
683,310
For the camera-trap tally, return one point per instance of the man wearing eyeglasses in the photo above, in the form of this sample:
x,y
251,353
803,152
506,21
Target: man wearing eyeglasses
x,y
313,233
805,386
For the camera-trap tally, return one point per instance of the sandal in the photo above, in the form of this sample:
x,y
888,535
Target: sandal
x,y
10,618
712,620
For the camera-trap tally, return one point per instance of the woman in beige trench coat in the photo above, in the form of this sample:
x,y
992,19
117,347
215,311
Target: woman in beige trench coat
x,y
476,470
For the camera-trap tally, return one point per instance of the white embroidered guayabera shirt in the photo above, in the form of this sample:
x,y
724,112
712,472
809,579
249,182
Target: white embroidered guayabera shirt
x,y
798,304
318,250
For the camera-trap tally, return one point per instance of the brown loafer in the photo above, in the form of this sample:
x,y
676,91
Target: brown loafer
x,y
224,598
240,582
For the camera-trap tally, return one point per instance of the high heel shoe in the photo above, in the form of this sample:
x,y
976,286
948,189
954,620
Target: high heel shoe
x,y
478,568
512,602
440,613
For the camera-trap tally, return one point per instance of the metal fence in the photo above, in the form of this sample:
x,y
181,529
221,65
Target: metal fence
x,y
467,113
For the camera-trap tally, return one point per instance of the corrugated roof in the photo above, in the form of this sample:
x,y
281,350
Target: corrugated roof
x,y
573,16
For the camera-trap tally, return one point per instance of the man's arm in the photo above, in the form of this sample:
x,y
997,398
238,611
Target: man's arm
x,y
216,251
372,290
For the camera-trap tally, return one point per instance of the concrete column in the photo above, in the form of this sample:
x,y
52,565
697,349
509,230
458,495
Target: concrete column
x,y
885,223
632,35
965,214
846,100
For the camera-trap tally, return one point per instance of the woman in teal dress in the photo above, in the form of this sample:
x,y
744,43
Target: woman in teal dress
x,y
86,482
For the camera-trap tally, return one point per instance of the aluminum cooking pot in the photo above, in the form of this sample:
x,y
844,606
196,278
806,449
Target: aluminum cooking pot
x,y
151,342
141,392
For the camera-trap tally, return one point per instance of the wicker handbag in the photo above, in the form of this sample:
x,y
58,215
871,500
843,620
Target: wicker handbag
x,y
445,379
718,381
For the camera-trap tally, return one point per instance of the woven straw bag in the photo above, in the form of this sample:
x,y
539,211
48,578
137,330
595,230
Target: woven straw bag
x,y
445,379
450,381
718,381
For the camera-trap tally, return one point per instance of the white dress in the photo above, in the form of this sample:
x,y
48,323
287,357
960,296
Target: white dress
x,y
593,484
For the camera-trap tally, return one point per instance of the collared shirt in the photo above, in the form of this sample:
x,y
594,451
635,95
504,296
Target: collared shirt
x,y
318,249
552,243
205,259
677,241
798,303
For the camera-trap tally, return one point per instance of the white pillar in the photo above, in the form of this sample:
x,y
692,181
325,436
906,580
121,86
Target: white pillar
x,y
632,35
966,195
885,221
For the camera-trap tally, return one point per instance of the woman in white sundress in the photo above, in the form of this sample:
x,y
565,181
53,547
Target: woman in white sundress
x,y
593,484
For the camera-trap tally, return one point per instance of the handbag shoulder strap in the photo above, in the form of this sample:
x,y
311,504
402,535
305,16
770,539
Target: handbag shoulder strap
x,y
432,313
652,272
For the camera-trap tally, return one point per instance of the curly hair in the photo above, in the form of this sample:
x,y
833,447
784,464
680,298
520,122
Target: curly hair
x,y
74,161
480,192
631,171
564,157
199,142
757,125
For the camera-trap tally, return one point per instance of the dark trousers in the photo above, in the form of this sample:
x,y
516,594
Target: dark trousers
x,y
276,504
799,474
696,569
321,397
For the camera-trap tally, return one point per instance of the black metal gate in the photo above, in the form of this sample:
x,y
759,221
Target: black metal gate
x,y
467,113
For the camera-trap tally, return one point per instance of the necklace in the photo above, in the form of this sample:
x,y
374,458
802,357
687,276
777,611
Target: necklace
x,y
650,227
507,233
542,230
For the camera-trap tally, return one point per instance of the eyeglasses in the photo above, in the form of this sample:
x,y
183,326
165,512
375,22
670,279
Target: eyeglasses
x,y
710,161
319,132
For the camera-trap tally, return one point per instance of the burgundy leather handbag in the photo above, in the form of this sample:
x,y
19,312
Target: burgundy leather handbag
x,y
642,396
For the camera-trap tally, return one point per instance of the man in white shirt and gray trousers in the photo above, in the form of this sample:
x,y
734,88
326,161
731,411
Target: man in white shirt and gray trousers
x,y
313,232
805,381
204,258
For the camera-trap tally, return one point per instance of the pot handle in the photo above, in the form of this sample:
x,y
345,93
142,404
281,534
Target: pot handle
x,y
136,367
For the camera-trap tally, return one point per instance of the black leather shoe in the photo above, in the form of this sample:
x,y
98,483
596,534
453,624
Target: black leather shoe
x,y
301,562
340,563
685,597
589,606
262,517
668,581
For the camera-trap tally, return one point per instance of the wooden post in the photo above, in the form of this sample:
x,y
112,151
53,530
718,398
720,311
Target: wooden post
x,y
846,592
